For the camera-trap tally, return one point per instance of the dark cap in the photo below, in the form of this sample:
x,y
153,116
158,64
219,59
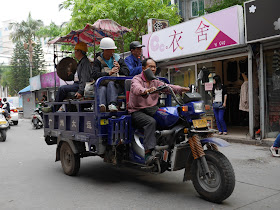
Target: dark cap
x,y
135,44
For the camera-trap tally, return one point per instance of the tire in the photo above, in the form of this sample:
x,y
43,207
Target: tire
x,y
223,182
50,140
35,123
70,162
3,135
15,122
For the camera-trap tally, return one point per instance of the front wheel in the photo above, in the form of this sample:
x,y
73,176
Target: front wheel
x,y
3,135
221,184
70,162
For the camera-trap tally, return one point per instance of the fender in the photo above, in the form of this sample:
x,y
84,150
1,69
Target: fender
x,y
217,141
59,143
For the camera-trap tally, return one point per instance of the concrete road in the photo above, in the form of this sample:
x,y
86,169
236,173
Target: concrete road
x,y
30,179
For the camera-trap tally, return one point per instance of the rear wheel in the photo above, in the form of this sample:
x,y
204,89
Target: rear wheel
x,y
15,122
221,184
70,162
3,135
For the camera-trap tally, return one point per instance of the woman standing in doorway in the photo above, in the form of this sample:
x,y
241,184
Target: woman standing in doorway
x,y
219,104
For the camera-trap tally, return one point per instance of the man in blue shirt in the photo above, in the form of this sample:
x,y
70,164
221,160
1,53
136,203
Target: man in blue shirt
x,y
133,61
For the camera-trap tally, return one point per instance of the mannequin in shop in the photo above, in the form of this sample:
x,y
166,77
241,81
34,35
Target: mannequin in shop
x,y
244,96
244,100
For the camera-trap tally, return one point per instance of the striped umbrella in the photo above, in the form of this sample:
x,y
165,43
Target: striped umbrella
x,y
92,34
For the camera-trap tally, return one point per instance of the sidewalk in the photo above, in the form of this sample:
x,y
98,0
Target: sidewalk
x,y
241,135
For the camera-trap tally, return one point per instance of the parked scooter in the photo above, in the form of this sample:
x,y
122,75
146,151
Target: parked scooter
x,y
37,118
4,125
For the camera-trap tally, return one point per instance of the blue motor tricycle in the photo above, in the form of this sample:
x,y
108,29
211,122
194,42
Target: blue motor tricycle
x,y
183,139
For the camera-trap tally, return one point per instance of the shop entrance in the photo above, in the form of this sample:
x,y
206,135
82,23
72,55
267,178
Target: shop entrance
x,y
234,76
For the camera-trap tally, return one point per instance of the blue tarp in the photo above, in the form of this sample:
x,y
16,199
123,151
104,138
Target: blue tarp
x,y
24,90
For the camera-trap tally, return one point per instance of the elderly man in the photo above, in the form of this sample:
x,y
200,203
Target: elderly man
x,y
143,105
83,74
109,64
133,61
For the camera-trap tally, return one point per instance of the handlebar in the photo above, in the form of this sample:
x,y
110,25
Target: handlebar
x,y
159,88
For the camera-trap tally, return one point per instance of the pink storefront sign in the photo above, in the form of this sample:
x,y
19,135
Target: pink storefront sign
x,y
48,80
217,30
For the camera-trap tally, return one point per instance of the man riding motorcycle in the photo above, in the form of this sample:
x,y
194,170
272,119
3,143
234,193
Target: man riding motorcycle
x,y
142,105
6,107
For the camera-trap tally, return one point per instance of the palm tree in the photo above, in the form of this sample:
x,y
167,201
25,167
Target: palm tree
x,y
25,30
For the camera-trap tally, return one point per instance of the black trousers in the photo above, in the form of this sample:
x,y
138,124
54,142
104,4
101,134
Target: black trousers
x,y
143,119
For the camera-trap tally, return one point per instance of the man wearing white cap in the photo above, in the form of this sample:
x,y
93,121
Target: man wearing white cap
x,y
109,64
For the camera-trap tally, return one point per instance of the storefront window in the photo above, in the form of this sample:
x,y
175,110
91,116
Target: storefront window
x,y
272,64
183,76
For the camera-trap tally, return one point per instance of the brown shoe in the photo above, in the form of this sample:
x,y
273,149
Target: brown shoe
x,y
225,133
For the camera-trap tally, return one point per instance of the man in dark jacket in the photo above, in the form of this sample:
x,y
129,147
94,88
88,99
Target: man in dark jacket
x,y
82,75
109,64
133,61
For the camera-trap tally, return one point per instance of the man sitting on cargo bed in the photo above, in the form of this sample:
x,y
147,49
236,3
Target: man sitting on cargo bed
x,y
143,105
109,64
83,75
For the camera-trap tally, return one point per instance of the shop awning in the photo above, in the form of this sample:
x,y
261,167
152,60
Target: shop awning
x,y
24,90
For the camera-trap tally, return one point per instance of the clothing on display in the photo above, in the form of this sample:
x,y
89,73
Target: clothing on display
x,y
203,75
232,71
244,97
243,66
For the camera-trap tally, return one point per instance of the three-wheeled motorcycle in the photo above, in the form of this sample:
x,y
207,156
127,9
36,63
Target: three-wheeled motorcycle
x,y
183,139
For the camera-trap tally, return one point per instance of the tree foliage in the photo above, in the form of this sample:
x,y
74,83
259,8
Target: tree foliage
x,y
223,4
50,32
18,74
25,29
38,59
132,14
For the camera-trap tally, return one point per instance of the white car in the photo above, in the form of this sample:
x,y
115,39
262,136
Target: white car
x,y
13,114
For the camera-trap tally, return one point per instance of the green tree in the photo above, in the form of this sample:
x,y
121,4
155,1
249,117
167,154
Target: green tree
x,y
132,14
222,4
18,74
3,75
38,59
26,30
50,32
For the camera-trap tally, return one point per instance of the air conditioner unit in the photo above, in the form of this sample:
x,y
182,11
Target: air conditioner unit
x,y
157,24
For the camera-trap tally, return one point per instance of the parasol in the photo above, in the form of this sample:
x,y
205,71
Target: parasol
x,y
92,34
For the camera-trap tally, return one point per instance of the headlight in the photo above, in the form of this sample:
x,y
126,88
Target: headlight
x,y
198,107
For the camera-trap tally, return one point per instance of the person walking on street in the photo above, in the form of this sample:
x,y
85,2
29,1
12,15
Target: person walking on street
x,y
274,149
134,62
219,94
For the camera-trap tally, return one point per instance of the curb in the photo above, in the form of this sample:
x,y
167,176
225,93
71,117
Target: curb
x,y
237,139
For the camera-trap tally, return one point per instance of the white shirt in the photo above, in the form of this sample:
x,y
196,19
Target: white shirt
x,y
218,95
76,78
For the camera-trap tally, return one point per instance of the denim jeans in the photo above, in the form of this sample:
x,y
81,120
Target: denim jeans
x,y
62,92
108,94
277,141
219,115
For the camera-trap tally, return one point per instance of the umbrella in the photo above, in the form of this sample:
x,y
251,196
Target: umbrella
x,y
92,34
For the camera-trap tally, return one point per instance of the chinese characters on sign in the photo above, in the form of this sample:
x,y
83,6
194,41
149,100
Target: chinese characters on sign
x,y
175,39
201,31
